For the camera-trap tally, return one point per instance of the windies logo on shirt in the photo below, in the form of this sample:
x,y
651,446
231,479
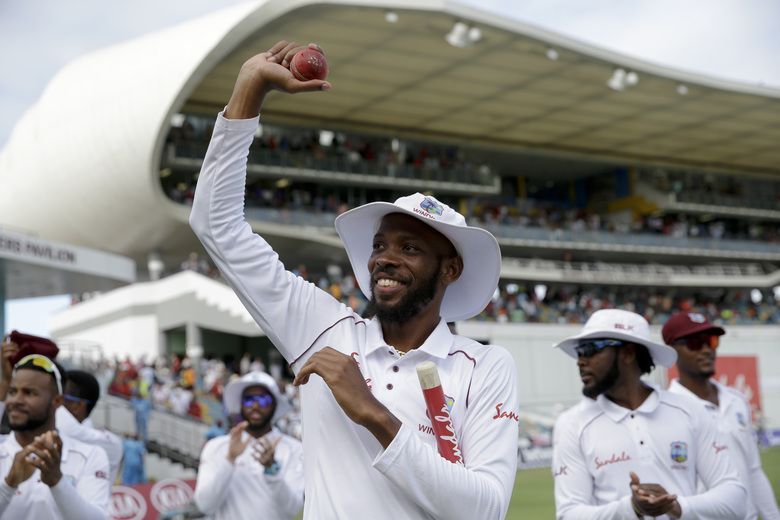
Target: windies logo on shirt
x,y
679,452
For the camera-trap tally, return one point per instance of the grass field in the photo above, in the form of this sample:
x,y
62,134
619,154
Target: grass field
x,y
533,495
533,499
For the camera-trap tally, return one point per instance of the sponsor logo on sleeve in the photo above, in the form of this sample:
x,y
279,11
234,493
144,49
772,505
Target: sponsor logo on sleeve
x,y
101,474
501,414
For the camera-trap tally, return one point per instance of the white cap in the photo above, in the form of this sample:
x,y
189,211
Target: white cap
x,y
231,397
620,324
464,298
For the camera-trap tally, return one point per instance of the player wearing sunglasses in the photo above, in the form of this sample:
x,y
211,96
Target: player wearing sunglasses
x,y
255,471
696,341
631,450
45,473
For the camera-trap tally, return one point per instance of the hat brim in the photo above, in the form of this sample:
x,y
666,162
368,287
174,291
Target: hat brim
x,y
464,298
231,397
662,355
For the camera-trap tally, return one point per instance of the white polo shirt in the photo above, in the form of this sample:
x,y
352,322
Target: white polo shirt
x,y
81,494
733,419
86,432
348,474
665,441
242,490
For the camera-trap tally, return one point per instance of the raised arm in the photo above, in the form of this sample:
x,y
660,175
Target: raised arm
x,y
279,301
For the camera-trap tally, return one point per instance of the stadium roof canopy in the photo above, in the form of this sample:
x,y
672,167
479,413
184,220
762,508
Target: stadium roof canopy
x,y
83,165
505,90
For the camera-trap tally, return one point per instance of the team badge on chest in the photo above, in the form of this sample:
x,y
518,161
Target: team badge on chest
x,y
679,452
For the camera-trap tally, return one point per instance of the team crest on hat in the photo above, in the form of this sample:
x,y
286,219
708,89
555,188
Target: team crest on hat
x,y
696,317
432,206
679,452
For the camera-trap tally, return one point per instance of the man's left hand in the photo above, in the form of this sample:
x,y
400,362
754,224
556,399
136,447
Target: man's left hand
x,y
48,449
342,375
265,451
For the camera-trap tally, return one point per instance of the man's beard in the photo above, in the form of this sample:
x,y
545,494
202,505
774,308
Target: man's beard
x,y
604,384
32,423
257,427
409,306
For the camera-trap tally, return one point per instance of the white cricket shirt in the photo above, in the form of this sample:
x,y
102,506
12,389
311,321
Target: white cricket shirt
x,y
86,432
81,494
242,490
733,419
348,474
665,441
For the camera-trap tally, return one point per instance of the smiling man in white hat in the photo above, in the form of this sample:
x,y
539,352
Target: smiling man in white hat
x,y
629,449
264,481
369,446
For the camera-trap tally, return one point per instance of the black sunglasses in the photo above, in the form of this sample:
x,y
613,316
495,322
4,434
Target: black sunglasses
x,y
589,347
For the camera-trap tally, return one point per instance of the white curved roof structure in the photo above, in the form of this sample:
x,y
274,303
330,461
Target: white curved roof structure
x,y
88,153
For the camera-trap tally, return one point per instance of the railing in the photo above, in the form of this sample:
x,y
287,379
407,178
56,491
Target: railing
x,y
617,241
175,437
293,217
459,178
713,275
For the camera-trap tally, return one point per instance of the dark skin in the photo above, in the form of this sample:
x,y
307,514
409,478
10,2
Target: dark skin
x,y
628,391
32,395
697,367
257,423
269,71
408,252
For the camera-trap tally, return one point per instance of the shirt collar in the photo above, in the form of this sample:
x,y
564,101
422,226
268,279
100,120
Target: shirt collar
x,y
617,413
438,344
678,387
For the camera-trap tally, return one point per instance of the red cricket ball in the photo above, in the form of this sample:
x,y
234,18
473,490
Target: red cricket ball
x,y
309,64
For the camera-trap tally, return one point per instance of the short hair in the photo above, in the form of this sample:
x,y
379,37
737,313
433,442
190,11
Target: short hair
x,y
85,386
644,359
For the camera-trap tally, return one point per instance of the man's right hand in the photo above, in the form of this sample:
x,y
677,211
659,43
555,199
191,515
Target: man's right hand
x,y
237,446
21,469
264,72
9,350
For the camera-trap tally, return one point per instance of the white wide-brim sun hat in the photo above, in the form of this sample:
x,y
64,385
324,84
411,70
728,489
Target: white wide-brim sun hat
x,y
231,397
464,298
624,325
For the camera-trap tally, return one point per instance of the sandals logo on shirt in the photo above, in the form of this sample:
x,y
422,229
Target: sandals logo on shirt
x,y
679,452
